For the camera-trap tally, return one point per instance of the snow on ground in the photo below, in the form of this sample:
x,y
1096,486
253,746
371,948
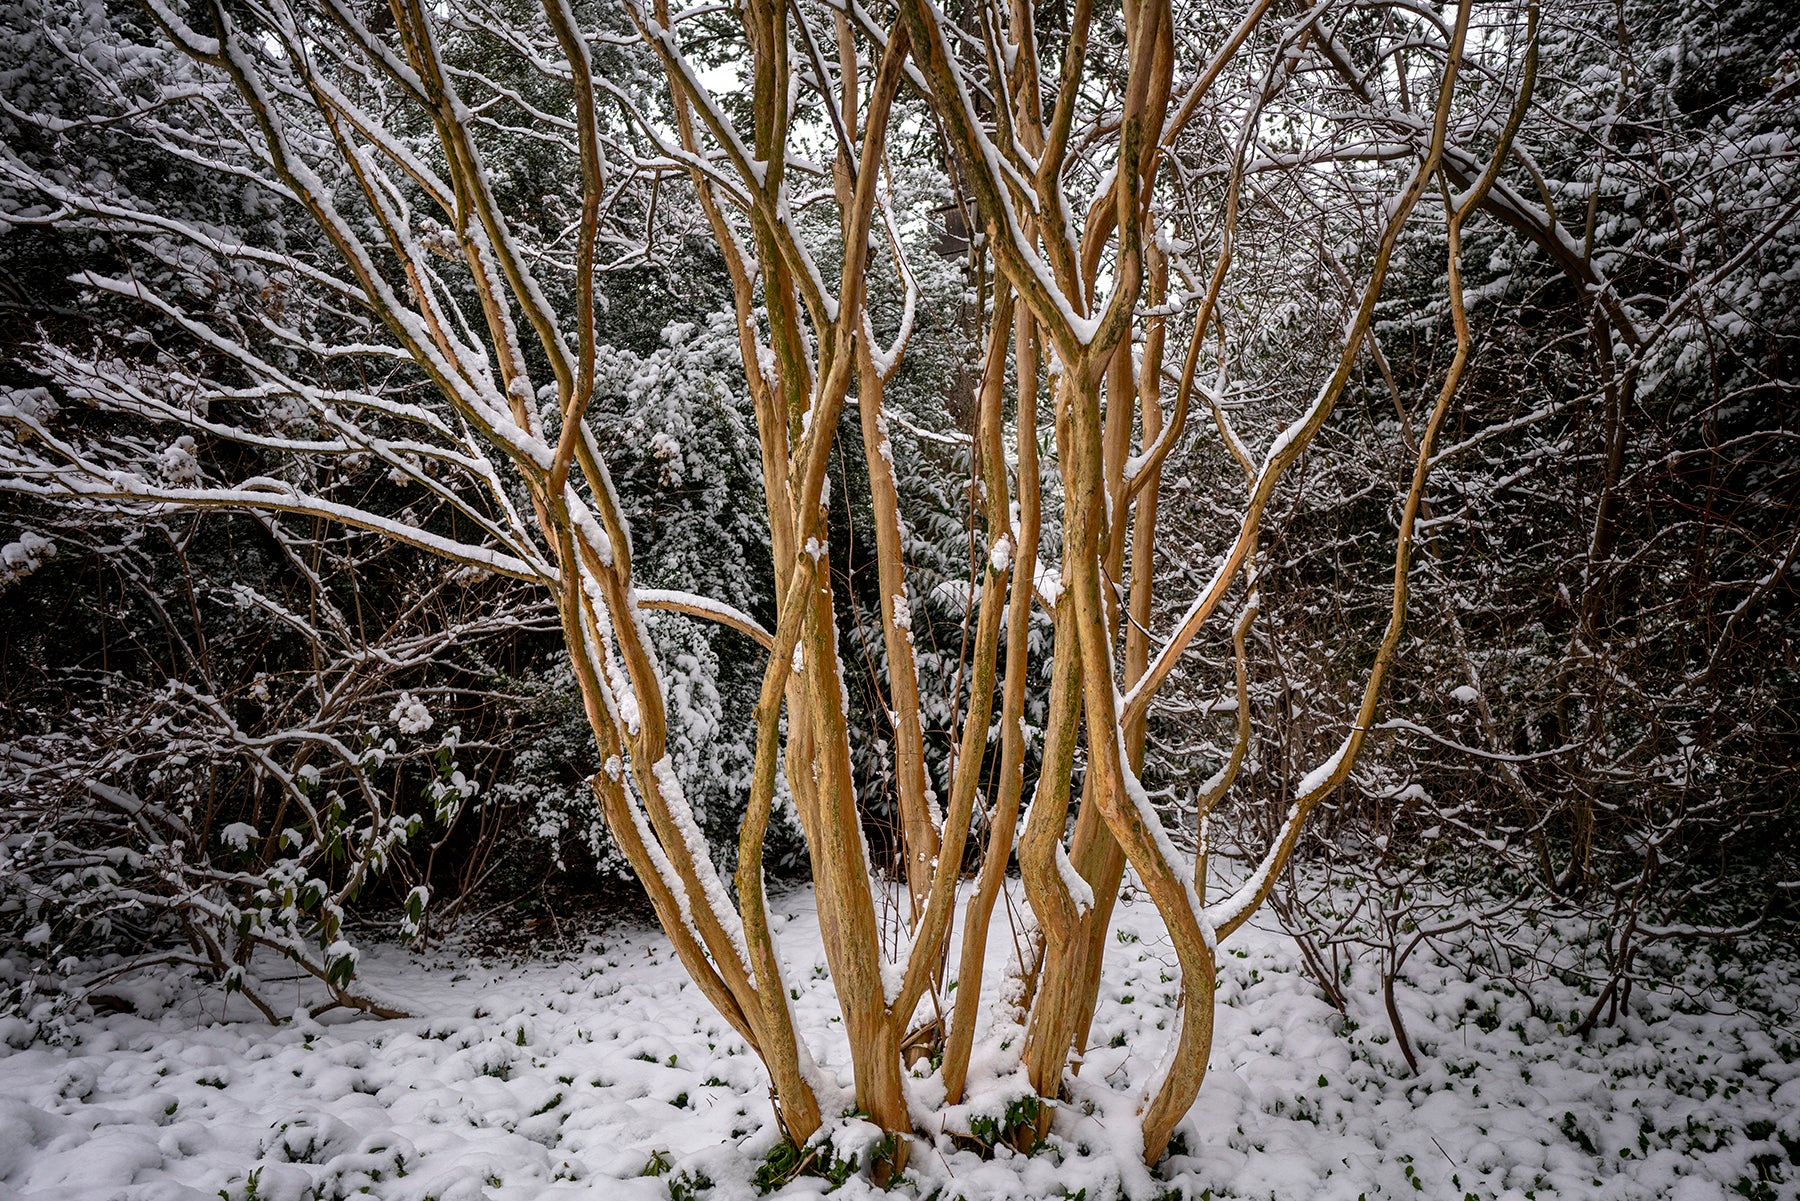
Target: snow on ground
x,y
608,1076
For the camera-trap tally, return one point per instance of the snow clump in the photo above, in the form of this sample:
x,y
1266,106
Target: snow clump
x,y
19,559
177,461
410,714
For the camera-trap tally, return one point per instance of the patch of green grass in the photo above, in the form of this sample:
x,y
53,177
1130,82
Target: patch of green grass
x,y
787,1162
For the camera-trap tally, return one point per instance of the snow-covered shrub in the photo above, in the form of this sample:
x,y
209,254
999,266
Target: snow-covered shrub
x,y
1596,703
207,764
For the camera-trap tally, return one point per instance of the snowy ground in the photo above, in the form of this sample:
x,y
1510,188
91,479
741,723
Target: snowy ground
x,y
575,1079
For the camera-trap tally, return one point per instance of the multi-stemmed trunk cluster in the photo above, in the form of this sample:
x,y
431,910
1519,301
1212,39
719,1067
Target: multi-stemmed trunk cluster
x,y
1083,315
1117,414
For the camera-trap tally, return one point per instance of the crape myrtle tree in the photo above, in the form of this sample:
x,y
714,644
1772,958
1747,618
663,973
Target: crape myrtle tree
x,y
469,173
